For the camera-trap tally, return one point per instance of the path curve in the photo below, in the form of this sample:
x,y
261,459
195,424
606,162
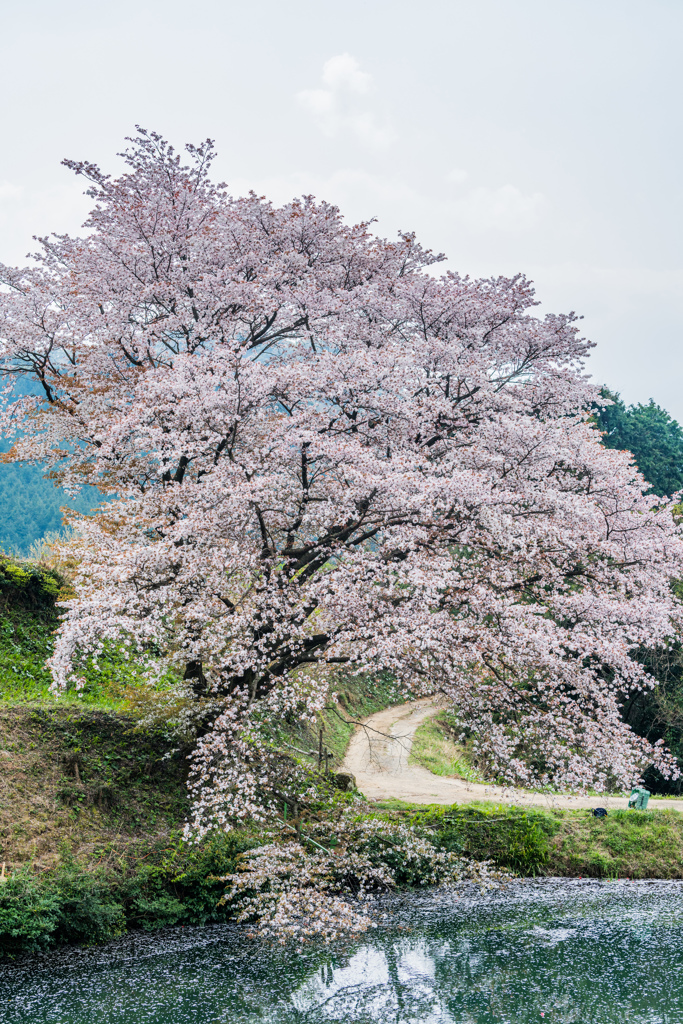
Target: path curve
x,y
378,758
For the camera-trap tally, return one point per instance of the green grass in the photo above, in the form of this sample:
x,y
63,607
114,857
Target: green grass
x,y
558,842
434,748
25,644
632,844
28,620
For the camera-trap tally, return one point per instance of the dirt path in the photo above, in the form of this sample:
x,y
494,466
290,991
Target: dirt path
x,y
378,758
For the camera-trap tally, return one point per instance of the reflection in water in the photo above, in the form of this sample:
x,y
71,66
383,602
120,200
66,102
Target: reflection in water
x,y
553,951
396,983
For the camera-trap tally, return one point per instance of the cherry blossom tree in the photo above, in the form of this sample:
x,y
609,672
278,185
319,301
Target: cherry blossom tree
x,y
320,453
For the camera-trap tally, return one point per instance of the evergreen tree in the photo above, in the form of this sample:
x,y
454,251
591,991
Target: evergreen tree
x,y
653,437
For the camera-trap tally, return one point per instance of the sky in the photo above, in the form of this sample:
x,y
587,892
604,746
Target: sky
x,y
541,136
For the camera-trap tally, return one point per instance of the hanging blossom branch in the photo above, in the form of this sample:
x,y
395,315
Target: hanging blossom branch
x,y
288,891
319,453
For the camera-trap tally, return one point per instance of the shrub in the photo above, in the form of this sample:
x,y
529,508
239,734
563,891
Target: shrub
x,y
70,904
29,913
510,837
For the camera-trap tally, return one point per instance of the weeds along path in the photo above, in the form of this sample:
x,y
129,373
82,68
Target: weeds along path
x,y
378,758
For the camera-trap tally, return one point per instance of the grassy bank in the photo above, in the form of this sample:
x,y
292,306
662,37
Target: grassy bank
x,y
91,812
92,807
92,894
568,843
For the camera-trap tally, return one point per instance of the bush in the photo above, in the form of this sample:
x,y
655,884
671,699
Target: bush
x,y
71,904
28,584
29,913
511,837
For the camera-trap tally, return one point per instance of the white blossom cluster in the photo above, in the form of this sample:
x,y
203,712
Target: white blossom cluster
x,y
292,890
239,776
318,452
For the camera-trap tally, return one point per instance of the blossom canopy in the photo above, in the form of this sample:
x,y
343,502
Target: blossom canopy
x,y
320,453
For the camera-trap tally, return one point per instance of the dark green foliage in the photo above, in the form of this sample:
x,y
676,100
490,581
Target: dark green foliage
x,y
176,884
88,909
656,442
28,585
511,837
28,618
657,714
651,435
29,913
184,886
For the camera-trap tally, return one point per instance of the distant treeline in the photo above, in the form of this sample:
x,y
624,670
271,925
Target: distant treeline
x,y
30,505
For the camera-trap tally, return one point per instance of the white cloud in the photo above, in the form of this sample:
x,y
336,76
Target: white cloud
x,y
321,103
343,72
456,176
342,105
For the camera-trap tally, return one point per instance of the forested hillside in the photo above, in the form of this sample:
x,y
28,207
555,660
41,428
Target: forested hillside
x,y
30,507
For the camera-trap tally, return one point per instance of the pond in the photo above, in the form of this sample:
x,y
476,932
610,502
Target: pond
x,y
552,950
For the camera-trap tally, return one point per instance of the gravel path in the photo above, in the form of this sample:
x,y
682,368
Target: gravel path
x,y
378,758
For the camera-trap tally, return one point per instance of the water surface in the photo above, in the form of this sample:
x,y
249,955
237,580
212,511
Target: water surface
x,y
585,952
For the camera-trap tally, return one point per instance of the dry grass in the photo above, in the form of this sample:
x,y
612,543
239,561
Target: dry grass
x,y
82,782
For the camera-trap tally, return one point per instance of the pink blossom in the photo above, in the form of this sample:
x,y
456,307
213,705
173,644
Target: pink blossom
x,y
320,453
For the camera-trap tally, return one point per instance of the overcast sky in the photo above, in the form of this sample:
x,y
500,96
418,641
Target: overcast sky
x,y
541,136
